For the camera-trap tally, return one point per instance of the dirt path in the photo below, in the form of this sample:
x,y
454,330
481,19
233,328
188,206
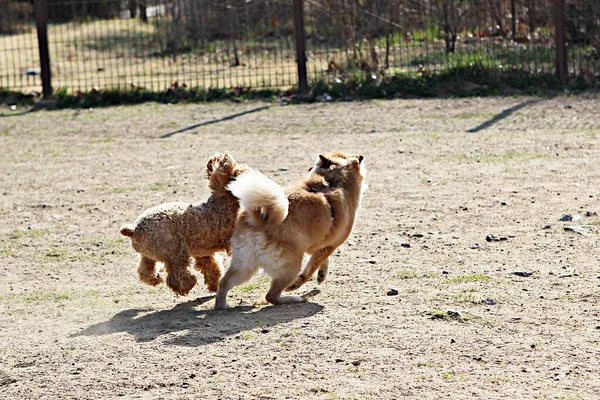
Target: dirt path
x,y
76,323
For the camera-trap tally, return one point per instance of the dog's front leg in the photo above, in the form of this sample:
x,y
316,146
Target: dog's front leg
x,y
315,262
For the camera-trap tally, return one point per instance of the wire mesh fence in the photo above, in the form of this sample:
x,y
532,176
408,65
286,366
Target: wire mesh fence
x,y
157,44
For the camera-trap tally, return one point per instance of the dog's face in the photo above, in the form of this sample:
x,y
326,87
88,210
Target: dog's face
x,y
338,169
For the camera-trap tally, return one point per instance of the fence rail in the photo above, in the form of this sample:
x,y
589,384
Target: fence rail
x,y
157,44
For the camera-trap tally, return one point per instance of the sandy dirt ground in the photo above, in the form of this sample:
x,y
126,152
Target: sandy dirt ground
x,y
512,319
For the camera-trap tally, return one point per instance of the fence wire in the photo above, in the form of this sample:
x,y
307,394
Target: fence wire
x,y
157,44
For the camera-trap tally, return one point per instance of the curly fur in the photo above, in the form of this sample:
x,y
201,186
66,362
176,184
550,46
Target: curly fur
x,y
275,229
172,233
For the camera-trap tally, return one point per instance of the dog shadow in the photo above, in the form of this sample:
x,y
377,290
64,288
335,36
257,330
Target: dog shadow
x,y
183,325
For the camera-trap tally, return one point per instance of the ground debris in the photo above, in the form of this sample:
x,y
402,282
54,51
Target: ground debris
x,y
495,238
524,274
489,301
566,217
580,229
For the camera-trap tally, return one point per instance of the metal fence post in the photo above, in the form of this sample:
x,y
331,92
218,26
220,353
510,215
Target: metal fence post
x,y
300,46
41,25
560,40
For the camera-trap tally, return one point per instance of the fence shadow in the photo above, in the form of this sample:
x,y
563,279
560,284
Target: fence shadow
x,y
2,115
505,113
215,121
187,326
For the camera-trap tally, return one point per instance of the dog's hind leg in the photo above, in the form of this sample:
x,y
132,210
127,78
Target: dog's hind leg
x,y
237,274
279,283
316,261
323,270
147,271
211,269
179,279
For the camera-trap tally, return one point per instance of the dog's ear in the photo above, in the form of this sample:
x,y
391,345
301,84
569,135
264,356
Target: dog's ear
x,y
324,161
356,161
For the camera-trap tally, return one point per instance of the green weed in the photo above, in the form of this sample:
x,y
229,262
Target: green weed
x,y
469,278
257,283
32,233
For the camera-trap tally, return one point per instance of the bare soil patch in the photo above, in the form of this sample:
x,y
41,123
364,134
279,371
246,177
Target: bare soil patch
x,y
75,321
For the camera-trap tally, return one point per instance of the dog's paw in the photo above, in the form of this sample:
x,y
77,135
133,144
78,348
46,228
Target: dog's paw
x,y
321,275
222,306
287,300
152,281
297,283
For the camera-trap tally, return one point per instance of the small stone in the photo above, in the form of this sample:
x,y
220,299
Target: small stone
x,y
185,385
566,217
325,97
547,227
452,341
264,330
524,274
192,376
392,292
356,363
372,261
489,301
339,360
213,372
475,246
405,245
284,169
591,214
6,380
416,235
401,151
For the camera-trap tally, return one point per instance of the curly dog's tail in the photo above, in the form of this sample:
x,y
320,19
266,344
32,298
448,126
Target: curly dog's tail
x,y
263,199
127,230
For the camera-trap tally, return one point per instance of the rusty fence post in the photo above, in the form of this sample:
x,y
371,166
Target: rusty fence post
x,y
41,25
560,40
300,46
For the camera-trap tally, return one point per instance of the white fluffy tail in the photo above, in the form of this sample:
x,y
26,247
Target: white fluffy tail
x,y
261,196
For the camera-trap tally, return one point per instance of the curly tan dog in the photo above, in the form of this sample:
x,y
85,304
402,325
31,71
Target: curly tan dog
x,y
275,228
171,233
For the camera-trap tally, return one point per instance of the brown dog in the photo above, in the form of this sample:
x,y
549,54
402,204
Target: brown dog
x,y
173,232
274,229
